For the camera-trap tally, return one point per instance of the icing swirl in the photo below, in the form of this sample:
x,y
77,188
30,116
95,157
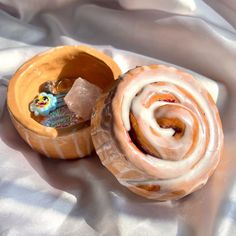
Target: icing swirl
x,y
165,137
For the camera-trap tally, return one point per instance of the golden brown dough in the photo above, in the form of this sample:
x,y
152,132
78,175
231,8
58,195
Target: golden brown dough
x,y
68,62
159,132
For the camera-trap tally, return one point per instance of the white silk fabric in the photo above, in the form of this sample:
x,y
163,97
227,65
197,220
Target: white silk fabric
x,y
40,196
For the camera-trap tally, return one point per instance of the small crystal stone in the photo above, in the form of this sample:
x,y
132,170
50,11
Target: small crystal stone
x,y
82,97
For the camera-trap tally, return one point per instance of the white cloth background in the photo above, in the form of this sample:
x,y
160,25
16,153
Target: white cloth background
x,y
39,196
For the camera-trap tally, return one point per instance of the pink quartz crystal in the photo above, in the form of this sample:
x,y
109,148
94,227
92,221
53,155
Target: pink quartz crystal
x,y
82,97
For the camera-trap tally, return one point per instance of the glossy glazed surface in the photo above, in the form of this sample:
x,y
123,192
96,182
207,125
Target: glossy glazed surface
x,y
62,62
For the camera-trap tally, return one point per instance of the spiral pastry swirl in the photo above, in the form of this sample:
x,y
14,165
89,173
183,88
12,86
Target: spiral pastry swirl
x,y
159,132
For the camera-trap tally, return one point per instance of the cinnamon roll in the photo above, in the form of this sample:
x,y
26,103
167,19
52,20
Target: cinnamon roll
x,y
159,132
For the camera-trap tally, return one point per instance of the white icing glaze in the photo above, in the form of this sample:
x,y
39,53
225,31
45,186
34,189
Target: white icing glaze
x,y
197,110
146,120
148,101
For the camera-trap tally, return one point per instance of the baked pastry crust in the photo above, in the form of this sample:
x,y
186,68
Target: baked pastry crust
x,y
166,159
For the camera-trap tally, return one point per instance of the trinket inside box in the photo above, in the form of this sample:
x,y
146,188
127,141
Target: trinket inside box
x,y
36,99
